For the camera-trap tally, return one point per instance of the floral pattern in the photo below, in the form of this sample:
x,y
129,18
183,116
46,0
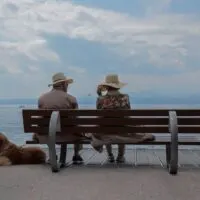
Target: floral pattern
x,y
117,101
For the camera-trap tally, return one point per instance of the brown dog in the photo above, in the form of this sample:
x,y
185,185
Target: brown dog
x,y
11,154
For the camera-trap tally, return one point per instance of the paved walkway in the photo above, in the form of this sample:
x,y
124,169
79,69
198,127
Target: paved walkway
x,y
143,178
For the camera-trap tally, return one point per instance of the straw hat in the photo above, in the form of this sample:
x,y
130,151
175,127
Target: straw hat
x,y
112,80
60,77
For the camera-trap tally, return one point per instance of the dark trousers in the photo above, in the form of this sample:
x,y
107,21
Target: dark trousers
x,y
121,149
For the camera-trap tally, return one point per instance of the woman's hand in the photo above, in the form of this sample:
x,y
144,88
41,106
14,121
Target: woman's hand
x,y
100,88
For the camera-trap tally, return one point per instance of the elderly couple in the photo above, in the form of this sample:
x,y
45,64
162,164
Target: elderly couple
x,y
109,97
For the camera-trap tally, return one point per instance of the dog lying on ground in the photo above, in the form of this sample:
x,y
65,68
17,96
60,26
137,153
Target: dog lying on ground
x,y
11,154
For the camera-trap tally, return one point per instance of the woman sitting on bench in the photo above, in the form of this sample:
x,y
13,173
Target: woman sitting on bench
x,y
111,98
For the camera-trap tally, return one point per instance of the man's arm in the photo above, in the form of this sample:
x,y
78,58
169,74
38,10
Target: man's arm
x,y
72,101
39,103
75,104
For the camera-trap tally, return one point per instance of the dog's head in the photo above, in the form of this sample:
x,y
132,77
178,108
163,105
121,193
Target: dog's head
x,y
3,141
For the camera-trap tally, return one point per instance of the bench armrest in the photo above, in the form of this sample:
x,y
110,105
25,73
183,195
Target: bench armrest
x,y
54,126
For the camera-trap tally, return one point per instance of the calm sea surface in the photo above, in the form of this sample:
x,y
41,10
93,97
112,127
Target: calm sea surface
x,y
12,125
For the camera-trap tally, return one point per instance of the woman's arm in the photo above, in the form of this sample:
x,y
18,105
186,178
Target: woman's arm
x,y
128,102
98,103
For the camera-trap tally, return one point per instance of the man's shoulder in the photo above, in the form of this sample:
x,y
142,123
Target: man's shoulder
x,y
43,94
71,97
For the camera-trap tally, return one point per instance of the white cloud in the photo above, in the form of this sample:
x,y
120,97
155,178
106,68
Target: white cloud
x,y
168,84
160,38
154,7
25,21
34,68
34,49
78,70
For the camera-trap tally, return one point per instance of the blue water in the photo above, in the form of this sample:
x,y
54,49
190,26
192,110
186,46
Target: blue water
x,y
11,122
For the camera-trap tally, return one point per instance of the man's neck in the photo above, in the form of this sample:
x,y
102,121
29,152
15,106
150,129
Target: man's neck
x,y
59,88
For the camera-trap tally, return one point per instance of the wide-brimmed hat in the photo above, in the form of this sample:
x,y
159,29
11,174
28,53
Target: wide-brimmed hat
x,y
112,80
60,77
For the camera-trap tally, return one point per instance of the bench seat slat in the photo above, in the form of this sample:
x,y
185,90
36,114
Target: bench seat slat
x,y
114,129
101,129
120,121
101,121
114,113
159,141
113,121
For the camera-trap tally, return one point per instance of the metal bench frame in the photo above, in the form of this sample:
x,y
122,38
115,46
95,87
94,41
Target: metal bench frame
x,y
171,149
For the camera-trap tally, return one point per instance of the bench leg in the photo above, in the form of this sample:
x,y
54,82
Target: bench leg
x,y
53,159
54,126
173,167
63,153
168,154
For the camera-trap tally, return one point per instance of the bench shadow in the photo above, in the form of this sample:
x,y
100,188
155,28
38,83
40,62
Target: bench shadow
x,y
126,166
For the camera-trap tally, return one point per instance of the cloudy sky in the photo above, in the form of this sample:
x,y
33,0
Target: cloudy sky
x,y
154,45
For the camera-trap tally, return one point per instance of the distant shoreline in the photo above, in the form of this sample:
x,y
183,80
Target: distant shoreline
x,y
93,106
88,100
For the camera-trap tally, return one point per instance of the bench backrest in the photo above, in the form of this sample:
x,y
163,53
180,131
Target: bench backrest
x,y
112,121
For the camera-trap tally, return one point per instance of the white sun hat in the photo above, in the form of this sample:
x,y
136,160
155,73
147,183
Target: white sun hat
x,y
112,80
60,77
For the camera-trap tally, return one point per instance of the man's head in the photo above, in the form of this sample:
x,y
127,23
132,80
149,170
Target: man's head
x,y
61,86
60,81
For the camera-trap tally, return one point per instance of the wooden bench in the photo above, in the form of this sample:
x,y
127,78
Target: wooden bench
x,y
54,124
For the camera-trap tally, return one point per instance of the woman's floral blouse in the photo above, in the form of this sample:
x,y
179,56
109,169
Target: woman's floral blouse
x,y
114,101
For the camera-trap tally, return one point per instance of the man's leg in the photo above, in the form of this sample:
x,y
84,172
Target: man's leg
x,y
121,151
77,158
109,152
63,154
35,137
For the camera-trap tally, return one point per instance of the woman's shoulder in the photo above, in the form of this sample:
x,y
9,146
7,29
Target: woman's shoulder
x,y
120,95
124,95
99,98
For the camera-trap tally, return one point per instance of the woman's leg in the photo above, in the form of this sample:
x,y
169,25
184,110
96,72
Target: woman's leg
x,y
77,158
121,152
109,152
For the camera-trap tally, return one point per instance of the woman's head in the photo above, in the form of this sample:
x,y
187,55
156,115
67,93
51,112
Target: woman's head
x,y
109,88
111,83
103,90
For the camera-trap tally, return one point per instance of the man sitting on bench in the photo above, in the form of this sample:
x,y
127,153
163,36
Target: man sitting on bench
x,y
58,98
